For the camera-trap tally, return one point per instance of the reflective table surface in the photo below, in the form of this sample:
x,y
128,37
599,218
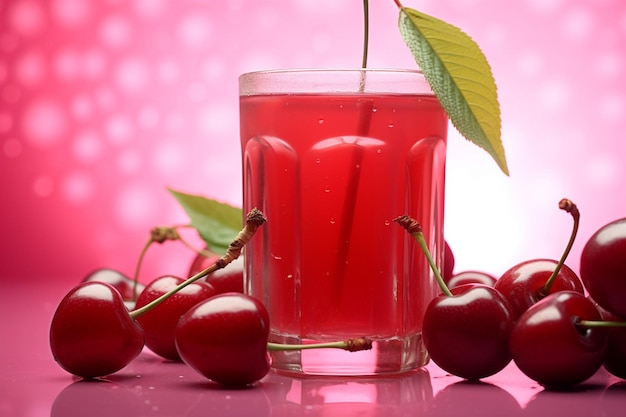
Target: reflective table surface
x,y
33,385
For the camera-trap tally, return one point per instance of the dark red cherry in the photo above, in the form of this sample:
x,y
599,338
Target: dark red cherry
x,y
159,324
467,333
471,277
201,262
118,280
225,339
524,284
448,262
92,334
615,357
228,279
549,345
603,267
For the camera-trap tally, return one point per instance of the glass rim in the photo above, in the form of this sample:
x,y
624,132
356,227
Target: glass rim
x,y
334,80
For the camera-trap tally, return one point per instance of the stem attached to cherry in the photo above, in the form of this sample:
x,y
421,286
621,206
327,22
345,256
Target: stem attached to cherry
x,y
254,220
568,206
351,345
415,229
599,323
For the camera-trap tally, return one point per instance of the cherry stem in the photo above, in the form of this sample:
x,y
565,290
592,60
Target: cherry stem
x,y
254,220
415,229
365,32
568,206
144,250
351,345
600,323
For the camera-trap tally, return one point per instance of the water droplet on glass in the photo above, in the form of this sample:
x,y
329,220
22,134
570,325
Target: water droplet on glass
x,y
317,161
320,121
332,220
379,150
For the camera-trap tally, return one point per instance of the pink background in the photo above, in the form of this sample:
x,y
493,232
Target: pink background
x,y
105,103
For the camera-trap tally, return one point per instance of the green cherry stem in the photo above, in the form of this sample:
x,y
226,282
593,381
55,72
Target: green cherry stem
x,y
600,323
568,206
254,220
351,345
415,229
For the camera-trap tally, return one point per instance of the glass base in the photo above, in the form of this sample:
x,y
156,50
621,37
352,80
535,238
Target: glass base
x,y
387,357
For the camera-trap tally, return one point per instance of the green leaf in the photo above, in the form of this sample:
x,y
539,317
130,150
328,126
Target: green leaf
x,y
460,77
217,223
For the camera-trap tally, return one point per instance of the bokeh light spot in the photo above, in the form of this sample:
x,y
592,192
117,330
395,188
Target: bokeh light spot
x,y
12,148
87,146
115,32
43,186
30,69
77,188
119,129
44,123
194,31
6,122
71,13
25,17
131,75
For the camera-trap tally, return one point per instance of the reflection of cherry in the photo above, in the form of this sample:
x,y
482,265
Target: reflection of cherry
x,y
466,398
528,282
612,400
581,402
96,398
159,324
550,346
92,333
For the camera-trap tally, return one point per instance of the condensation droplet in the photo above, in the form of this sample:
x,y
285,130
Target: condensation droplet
x,y
332,220
387,222
320,121
289,276
317,160
374,110
390,125
379,150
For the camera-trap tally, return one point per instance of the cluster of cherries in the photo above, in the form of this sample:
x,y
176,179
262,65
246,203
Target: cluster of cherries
x,y
537,313
206,321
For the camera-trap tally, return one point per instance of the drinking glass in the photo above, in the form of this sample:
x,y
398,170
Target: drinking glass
x,y
332,157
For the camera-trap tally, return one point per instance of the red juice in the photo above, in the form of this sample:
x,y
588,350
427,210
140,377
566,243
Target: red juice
x,y
331,172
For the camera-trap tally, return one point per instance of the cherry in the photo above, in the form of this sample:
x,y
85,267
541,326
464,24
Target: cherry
x,y
603,267
530,281
229,279
159,324
92,334
470,277
201,261
551,346
448,262
467,332
121,282
225,338
614,361
466,329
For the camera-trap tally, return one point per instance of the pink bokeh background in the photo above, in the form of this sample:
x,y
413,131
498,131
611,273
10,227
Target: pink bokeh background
x,y
104,104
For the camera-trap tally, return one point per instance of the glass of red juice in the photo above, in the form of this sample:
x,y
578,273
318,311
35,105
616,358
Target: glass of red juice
x,y
332,157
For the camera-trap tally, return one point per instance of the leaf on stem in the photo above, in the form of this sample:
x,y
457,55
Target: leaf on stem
x,y
460,77
216,223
